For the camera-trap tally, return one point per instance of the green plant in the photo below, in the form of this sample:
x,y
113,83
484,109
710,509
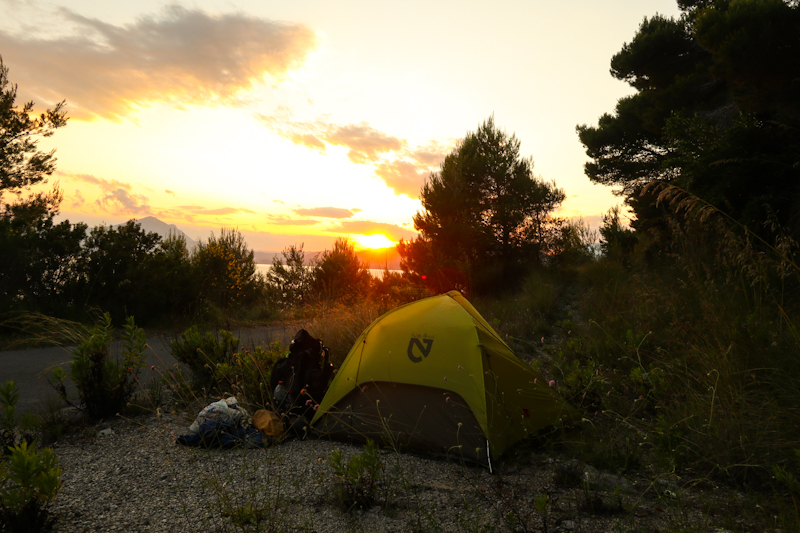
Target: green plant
x,y
784,476
358,477
105,385
248,372
29,481
542,505
52,420
10,423
202,353
14,428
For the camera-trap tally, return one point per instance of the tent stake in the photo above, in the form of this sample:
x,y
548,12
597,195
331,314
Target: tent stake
x,y
489,456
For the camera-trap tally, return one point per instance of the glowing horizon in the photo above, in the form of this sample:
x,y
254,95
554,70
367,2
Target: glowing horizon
x,y
297,124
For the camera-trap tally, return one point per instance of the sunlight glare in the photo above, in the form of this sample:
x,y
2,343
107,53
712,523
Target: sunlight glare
x,y
372,242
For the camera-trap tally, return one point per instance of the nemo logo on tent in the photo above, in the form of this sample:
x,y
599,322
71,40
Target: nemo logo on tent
x,y
423,345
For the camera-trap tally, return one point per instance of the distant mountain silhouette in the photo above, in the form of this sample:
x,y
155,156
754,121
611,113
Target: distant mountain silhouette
x,y
154,225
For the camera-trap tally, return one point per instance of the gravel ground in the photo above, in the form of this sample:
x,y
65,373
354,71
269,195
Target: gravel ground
x,y
129,475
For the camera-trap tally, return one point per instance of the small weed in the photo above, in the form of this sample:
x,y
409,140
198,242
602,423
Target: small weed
x,y
357,477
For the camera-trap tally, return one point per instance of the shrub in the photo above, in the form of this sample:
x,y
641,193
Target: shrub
x,y
202,353
105,385
10,423
29,481
247,374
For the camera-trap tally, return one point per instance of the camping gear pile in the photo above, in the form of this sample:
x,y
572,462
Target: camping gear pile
x,y
223,424
299,382
431,376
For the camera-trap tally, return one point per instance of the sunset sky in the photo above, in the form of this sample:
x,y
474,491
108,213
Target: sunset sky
x,y
300,121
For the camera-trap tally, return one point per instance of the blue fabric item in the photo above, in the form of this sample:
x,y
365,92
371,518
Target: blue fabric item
x,y
216,434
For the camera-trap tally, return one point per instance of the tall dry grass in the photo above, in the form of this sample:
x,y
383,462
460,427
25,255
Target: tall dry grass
x,y
690,362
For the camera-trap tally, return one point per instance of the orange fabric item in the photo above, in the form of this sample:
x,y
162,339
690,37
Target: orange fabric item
x,y
268,423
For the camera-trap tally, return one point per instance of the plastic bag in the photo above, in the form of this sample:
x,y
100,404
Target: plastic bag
x,y
227,412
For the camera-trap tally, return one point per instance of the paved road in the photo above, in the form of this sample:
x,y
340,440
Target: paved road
x,y
29,367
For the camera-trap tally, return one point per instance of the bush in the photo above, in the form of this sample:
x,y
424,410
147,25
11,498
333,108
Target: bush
x,y
203,353
105,385
29,481
10,423
247,375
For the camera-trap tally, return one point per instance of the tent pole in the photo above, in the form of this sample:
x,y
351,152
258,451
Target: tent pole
x,y
489,456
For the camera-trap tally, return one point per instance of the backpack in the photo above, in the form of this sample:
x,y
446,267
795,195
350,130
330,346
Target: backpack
x,y
305,372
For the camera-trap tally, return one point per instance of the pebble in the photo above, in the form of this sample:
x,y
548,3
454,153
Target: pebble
x,y
143,481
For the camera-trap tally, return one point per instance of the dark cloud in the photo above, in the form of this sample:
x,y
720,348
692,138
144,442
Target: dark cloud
x,y
182,57
327,212
367,227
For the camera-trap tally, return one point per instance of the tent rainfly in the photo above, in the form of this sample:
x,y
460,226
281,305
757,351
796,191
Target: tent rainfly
x,y
433,376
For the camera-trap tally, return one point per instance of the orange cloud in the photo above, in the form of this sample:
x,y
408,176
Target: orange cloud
x,y
198,210
403,177
327,212
78,200
183,57
367,227
120,202
286,221
118,198
401,168
105,185
366,144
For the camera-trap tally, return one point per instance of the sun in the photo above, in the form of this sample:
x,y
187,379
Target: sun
x,y
372,242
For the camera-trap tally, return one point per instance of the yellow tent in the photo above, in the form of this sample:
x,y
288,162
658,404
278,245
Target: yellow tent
x,y
433,376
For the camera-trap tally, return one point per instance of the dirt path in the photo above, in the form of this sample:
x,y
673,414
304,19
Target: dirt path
x,y
29,367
